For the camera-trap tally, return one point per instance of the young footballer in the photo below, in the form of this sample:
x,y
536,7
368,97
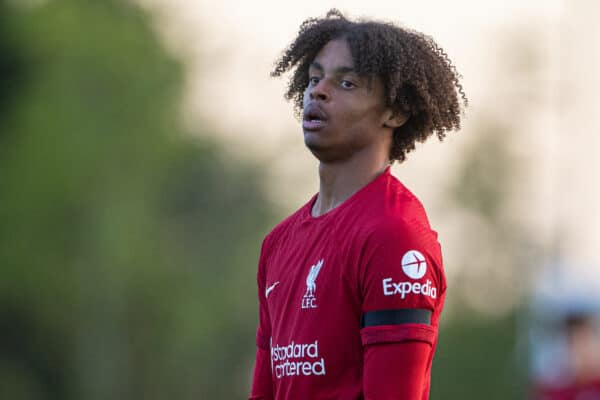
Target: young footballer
x,y
351,286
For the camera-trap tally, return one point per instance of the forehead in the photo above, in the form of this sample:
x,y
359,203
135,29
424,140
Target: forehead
x,y
335,54
336,57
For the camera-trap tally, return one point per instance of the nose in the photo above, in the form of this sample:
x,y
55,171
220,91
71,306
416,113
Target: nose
x,y
320,91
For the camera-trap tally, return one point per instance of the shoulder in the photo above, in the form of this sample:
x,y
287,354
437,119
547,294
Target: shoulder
x,y
400,232
399,226
403,203
398,214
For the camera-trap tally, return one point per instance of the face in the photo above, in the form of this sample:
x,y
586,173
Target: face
x,y
344,113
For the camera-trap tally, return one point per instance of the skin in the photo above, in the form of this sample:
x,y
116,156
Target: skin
x,y
353,143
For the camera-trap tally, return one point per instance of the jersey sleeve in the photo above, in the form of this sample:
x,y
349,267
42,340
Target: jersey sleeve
x,y
263,332
262,385
401,281
384,378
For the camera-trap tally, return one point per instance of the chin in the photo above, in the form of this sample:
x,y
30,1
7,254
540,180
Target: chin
x,y
322,153
314,145
312,139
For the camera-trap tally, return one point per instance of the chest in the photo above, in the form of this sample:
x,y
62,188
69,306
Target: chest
x,y
311,282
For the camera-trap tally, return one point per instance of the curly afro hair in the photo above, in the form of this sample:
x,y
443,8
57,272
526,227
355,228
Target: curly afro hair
x,y
419,79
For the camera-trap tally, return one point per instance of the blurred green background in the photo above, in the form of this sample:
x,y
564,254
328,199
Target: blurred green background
x,y
128,245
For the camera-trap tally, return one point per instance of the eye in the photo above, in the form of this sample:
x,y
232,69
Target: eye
x,y
347,84
313,80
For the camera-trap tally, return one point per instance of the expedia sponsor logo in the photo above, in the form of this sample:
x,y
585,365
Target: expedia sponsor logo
x,y
297,359
414,264
391,288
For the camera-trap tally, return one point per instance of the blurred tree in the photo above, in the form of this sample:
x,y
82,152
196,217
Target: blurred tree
x,y
476,359
478,339
481,351
128,249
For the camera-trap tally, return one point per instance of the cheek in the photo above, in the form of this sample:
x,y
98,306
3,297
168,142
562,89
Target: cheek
x,y
306,97
361,113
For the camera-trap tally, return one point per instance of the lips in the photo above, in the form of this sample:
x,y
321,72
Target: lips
x,y
314,118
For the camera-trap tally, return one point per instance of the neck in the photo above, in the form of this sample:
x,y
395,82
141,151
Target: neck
x,y
340,180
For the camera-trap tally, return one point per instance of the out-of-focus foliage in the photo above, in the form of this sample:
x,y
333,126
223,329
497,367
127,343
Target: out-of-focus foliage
x,y
128,249
477,355
476,359
480,353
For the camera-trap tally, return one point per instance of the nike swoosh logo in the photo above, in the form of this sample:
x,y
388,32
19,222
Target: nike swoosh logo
x,y
270,288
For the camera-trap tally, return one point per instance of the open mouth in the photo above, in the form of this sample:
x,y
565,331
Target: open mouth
x,y
314,117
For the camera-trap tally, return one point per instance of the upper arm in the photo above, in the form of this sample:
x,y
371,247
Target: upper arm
x,y
402,281
262,388
402,286
394,371
263,332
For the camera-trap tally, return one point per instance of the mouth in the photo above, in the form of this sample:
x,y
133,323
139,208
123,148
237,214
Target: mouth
x,y
314,118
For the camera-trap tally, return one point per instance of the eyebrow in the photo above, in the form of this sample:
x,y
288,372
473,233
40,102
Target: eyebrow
x,y
339,70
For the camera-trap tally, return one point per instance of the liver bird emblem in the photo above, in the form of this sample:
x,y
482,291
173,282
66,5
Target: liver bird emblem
x,y
312,277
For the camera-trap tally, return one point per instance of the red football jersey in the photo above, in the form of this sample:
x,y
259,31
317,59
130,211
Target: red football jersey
x,y
365,273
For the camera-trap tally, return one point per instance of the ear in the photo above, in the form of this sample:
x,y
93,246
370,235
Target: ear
x,y
394,119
